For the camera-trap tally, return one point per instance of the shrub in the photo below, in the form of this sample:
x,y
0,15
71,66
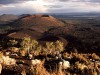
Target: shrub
x,y
54,46
50,47
13,49
80,66
96,57
12,43
25,44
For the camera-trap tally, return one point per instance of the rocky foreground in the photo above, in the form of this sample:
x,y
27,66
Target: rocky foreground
x,y
50,64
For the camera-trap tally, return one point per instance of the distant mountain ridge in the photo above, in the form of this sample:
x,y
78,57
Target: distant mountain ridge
x,y
6,18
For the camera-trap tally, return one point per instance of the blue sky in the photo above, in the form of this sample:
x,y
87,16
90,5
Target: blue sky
x,y
48,6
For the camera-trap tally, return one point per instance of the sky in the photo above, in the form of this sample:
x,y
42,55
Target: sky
x,y
48,6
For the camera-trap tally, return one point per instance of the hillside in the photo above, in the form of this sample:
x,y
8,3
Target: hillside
x,y
43,45
40,27
37,20
6,18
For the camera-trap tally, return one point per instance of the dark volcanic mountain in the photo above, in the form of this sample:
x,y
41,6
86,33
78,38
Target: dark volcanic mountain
x,y
44,28
38,27
37,20
33,25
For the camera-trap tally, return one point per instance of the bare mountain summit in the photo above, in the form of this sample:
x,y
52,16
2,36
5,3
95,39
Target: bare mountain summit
x,y
37,20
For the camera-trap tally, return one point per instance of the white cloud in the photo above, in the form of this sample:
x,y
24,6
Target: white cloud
x,y
26,7
75,6
52,6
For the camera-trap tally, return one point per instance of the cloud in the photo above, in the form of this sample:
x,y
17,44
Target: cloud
x,y
91,1
95,1
48,6
28,7
53,6
75,6
63,0
13,1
